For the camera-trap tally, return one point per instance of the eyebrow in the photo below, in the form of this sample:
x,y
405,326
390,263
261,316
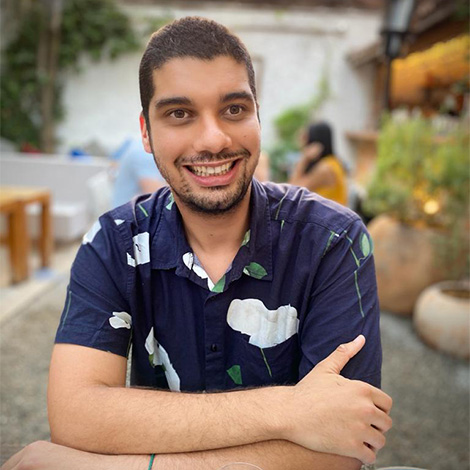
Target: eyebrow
x,y
173,101
184,101
237,95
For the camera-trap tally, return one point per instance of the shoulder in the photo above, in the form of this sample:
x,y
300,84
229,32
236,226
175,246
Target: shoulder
x,y
295,204
140,214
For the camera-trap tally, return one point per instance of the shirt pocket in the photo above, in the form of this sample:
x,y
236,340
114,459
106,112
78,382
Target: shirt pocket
x,y
275,365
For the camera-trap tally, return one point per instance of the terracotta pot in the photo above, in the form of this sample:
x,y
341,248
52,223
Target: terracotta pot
x,y
442,317
405,262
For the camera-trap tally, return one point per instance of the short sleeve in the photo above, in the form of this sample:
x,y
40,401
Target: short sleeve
x,y
344,304
96,313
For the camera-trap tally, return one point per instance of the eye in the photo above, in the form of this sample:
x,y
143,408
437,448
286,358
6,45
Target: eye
x,y
179,114
234,110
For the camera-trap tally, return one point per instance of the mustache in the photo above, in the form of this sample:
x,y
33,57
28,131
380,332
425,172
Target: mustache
x,y
209,157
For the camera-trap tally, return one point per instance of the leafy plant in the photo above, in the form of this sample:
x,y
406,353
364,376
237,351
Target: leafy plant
x,y
423,179
93,27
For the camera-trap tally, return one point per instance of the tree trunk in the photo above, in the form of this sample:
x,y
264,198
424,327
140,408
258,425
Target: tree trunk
x,y
48,53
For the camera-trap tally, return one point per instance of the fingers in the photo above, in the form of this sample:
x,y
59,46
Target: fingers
x,y
382,422
368,454
375,439
381,400
335,362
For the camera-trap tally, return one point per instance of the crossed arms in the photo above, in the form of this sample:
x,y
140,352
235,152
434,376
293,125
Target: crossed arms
x,y
325,421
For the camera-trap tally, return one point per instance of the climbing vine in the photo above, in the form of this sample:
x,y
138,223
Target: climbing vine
x,y
96,28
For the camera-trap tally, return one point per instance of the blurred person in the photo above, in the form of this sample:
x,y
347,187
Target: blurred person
x,y
318,169
262,171
136,173
263,293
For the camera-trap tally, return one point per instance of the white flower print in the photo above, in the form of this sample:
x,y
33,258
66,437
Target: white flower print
x,y
159,357
141,248
130,260
188,260
90,235
121,320
265,327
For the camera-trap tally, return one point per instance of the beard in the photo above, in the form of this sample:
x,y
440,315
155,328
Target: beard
x,y
222,200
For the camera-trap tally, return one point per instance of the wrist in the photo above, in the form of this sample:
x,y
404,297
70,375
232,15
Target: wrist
x,y
127,462
279,415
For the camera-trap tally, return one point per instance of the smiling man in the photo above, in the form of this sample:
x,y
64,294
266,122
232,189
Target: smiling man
x,y
260,296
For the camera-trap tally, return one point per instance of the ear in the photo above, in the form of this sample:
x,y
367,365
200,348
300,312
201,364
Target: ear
x,y
145,134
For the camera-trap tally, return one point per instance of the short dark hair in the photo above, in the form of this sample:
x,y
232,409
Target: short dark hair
x,y
191,36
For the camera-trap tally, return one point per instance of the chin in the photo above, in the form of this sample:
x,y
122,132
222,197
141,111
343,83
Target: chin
x,y
223,204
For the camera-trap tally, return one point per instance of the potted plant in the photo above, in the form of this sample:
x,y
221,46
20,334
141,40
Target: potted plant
x,y
419,194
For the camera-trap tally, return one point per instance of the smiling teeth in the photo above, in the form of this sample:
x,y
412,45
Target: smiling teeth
x,y
211,170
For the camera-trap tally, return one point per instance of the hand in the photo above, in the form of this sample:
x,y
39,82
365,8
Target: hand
x,y
42,455
332,414
312,151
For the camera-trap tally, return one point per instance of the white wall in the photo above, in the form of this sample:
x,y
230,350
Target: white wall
x,y
293,47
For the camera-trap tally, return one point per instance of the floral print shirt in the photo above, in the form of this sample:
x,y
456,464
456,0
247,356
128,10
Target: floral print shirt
x,y
302,282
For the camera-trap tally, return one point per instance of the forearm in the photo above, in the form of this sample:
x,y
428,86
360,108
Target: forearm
x,y
272,455
269,455
169,422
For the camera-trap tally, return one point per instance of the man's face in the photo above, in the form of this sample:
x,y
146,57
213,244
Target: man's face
x,y
204,131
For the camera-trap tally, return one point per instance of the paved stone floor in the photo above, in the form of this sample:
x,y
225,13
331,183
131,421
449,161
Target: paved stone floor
x,y
430,390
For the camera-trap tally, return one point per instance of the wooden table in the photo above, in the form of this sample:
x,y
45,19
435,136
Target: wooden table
x,y
13,202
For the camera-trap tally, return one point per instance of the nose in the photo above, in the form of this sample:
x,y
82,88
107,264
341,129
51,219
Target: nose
x,y
211,136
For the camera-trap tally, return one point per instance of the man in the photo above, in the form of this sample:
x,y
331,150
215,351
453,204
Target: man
x,y
220,285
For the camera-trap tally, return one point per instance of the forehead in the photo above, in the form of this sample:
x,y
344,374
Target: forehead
x,y
200,79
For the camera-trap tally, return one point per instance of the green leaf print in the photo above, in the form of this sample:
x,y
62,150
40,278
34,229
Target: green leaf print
x,y
246,238
235,374
151,360
358,291
365,245
142,208
266,362
255,270
219,287
328,243
171,200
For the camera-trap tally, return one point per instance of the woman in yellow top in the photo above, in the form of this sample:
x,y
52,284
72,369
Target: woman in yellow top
x,y
318,169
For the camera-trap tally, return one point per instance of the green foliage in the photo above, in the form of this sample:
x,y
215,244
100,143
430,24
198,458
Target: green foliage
x,y
424,179
94,27
154,24
20,85
288,125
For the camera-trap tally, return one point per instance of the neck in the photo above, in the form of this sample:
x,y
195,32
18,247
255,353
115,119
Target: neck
x,y
208,233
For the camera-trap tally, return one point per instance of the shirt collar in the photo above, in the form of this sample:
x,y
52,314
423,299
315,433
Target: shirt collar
x,y
169,243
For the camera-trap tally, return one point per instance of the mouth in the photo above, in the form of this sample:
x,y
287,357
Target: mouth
x,y
207,169
214,174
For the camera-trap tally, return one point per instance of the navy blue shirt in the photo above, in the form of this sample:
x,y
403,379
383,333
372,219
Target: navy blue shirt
x,y
302,282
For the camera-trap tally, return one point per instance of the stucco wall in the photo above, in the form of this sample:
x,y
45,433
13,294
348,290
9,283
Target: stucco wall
x,y
290,49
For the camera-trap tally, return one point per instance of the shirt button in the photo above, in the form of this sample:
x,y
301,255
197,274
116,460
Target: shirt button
x,y
214,347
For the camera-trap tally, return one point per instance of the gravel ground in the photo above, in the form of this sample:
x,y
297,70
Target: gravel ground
x,y
430,390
